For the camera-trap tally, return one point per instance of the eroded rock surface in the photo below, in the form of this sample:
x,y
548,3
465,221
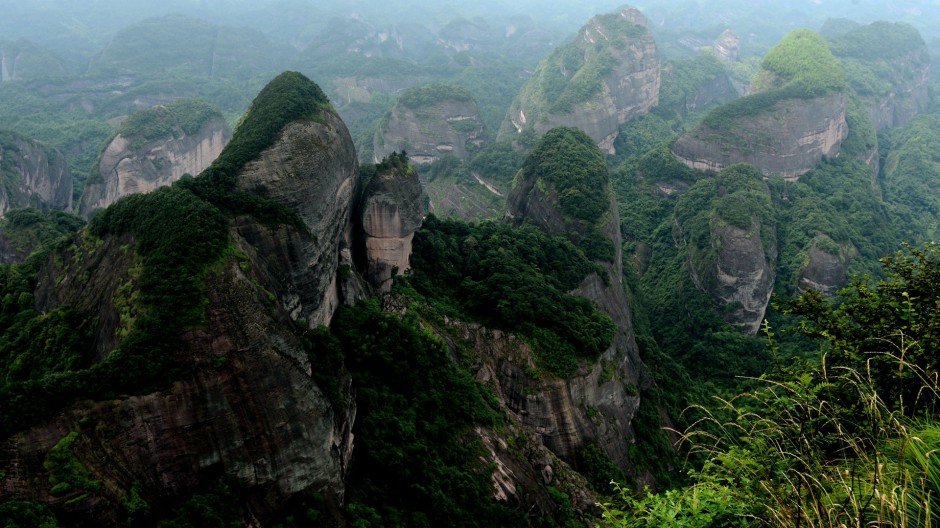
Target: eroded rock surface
x,y
627,86
741,277
127,168
311,170
788,140
432,127
34,175
392,210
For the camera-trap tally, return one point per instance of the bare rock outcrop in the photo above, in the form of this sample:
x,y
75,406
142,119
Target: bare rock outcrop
x,y
728,45
608,75
728,230
311,171
243,397
281,437
794,116
392,210
788,139
826,268
741,277
34,175
129,165
429,123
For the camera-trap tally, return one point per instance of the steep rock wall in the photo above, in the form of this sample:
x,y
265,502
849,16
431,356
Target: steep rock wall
x,y
430,132
127,169
34,175
312,171
628,83
788,140
392,210
741,276
908,96
559,410
826,268
281,437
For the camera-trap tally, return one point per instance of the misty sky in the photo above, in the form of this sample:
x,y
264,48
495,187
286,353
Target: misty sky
x,y
81,26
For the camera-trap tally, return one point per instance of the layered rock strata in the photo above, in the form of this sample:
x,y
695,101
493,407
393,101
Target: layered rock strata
x,y
126,168
787,140
392,210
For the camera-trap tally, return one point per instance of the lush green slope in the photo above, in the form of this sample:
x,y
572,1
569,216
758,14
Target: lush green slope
x,y
185,115
514,279
800,67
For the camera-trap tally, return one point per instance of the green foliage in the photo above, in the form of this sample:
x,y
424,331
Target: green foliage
x,y
288,97
515,279
700,506
570,161
584,84
497,162
394,161
652,449
800,67
66,471
574,73
875,326
185,115
737,197
599,469
911,170
879,40
842,439
416,463
642,135
862,138
220,506
803,57
681,81
28,230
433,94
178,237
26,514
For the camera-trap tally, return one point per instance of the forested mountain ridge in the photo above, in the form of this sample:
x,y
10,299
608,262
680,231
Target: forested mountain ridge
x,y
607,75
144,328
794,116
287,339
167,293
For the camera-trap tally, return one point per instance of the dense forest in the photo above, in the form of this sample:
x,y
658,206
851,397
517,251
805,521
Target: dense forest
x,y
600,316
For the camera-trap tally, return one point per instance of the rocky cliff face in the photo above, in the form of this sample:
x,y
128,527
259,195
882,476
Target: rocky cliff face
x,y
741,277
429,123
392,210
280,438
310,170
128,167
729,233
787,140
243,404
33,175
608,75
728,46
559,409
826,268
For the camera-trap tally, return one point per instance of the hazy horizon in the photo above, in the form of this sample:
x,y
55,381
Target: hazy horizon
x,y
78,29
